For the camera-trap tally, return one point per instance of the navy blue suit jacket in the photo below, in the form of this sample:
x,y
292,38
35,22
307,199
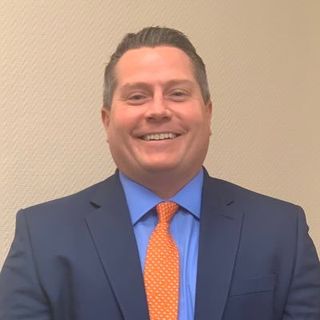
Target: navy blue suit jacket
x,y
76,258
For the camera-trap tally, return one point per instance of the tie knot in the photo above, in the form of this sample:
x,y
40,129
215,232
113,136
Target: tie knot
x,y
166,210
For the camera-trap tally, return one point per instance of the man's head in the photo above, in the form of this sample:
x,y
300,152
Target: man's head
x,y
158,118
154,37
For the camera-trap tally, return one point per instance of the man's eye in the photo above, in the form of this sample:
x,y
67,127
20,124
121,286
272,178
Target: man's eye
x,y
178,95
136,98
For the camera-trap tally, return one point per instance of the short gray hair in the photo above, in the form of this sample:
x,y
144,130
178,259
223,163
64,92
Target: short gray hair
x,y
154,37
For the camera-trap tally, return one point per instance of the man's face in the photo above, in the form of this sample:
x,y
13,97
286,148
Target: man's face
x,y
158,121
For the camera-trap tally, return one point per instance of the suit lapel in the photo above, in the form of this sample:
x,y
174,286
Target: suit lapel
x,y
220,227
111,230
112,233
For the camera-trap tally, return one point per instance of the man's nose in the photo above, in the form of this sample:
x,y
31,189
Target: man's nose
x,y
158,108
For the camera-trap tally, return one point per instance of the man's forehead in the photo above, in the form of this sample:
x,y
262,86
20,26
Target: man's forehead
x,y
168,62
145,49
153,55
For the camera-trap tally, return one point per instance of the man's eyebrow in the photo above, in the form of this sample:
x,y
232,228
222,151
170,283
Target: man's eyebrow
x,y
134,85
179,82
146,85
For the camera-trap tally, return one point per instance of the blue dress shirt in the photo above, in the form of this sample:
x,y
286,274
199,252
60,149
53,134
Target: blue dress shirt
x,y
184,228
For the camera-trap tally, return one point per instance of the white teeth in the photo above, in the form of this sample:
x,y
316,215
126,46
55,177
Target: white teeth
x,y
159,136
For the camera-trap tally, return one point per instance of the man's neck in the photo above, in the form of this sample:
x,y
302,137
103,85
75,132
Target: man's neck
x,y
164,184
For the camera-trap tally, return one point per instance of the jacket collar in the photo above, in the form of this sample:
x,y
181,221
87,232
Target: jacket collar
x,y
112,233
220,228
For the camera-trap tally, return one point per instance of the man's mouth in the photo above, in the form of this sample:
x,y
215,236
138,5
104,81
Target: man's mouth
x,y
159,136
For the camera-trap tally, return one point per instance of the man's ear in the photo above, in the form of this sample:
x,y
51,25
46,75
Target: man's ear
x,y
105,116
209,108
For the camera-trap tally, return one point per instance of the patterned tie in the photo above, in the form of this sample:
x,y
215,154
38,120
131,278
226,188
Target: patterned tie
x,y
161,271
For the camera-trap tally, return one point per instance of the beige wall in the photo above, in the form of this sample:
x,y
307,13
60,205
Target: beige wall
x,y
263,59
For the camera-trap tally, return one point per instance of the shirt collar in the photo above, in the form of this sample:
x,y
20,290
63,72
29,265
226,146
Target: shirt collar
x,y
140,200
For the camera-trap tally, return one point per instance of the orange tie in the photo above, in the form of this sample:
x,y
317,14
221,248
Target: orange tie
x,y
161,271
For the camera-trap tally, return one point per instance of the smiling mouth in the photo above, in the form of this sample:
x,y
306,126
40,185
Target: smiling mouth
x,y
159,136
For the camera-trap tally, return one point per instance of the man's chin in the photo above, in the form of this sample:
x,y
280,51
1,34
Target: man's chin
x,y
160,168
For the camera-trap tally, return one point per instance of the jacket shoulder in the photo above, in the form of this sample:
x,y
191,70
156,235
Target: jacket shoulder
x,y
68,206
251,201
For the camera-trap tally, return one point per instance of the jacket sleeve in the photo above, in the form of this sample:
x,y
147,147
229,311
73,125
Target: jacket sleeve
x,y
304,294
21,295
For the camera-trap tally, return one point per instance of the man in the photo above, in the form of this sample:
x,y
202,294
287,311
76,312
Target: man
x,y
93,255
